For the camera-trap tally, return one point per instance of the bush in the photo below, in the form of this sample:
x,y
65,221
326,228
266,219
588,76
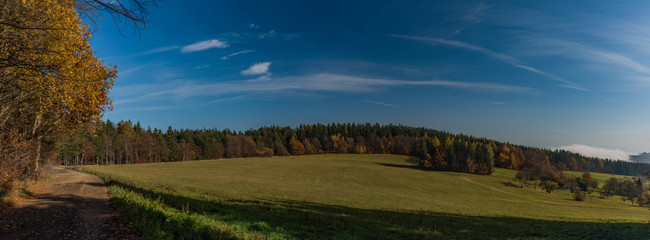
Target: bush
x,y
549,186
265,152
579,195
644,199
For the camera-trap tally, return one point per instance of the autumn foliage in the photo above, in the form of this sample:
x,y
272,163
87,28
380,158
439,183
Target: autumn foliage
x,y
50,82
124,142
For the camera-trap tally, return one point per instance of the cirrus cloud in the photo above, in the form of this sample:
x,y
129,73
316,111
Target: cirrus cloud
x,y
204,45
237,53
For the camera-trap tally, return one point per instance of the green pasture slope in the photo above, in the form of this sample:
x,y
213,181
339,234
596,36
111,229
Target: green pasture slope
x,y
346,196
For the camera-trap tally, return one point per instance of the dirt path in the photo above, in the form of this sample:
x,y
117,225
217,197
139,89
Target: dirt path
x,y
72,205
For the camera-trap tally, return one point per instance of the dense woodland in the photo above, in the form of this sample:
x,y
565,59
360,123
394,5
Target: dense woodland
x,y
125,143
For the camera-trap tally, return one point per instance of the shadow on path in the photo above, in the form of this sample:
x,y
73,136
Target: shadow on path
x,y
73,205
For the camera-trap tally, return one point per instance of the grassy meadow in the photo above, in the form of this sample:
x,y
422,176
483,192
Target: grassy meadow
x,y
347,196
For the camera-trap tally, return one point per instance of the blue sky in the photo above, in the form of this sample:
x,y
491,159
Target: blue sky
x,y
555,74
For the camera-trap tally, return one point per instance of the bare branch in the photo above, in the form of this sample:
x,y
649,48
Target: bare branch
x,y
135,14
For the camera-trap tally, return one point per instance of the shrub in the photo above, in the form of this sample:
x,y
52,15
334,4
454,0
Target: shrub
x,y
265,152
644,199
549,186
579,195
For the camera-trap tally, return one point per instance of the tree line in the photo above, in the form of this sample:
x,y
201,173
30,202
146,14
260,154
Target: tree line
x,y
540,173
105,142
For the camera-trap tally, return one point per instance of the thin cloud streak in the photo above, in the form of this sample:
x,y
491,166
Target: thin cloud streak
x,y
152,51
319,82
126,72
576,50
161,49
229,99
237,53
499,56
204,45
575,87
380,103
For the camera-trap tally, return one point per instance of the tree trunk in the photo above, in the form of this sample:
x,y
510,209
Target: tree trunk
x,y
37,123
105,149
38,154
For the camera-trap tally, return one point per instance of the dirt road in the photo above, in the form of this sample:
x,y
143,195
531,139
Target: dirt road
x,y
72,205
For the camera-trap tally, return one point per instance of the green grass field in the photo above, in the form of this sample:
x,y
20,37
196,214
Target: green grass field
x,y
354,197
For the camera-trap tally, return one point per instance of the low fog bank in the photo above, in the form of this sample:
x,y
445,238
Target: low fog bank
x,y
591,151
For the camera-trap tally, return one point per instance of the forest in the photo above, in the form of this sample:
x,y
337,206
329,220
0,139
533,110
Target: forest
x,y
105,143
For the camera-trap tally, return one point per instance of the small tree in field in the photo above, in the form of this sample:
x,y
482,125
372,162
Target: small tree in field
x,y
611,187
644,198
549,186
579,195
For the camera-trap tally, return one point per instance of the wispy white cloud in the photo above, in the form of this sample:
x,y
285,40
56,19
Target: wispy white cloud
x,y
598,152
256,35
319,82
237,53
267,34
161,49
228,99
499,56
204,45
126,72
474,14
253,25
576,50
262,78
381,103
499,103
165,74
149,52
257,69
575,87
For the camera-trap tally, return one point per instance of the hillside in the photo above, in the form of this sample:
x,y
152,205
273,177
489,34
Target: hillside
x,y
124,143
354,196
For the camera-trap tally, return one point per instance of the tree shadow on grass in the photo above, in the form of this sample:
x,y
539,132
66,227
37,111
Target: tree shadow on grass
x,y
303,220
400,166
413,160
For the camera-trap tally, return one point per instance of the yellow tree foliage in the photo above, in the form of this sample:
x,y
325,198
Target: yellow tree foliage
x,y
360,149
48,69
309,148
436,142
297,148
340,143
50,81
